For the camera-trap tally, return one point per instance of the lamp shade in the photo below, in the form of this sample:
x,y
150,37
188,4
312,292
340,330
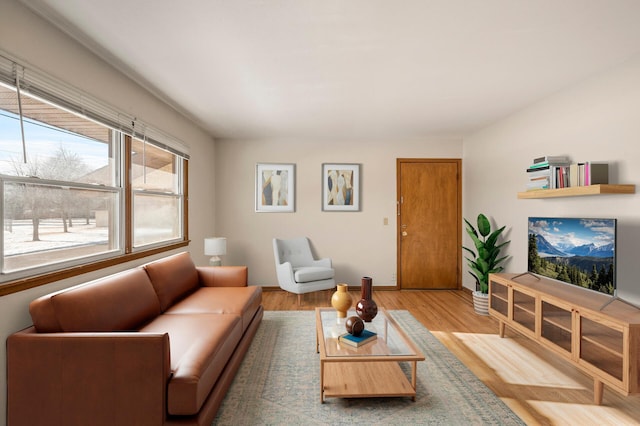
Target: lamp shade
x,y
215,246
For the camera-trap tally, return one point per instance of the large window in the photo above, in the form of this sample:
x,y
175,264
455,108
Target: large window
x,y
77,190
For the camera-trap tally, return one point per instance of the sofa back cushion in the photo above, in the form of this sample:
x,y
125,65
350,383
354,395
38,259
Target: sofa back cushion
x,y
120,302
173,278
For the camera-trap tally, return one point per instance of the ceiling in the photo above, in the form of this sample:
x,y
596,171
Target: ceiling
x,y
352,69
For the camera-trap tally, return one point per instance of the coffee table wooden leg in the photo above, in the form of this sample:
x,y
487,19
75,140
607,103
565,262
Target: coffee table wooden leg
x,y
414,368
321,382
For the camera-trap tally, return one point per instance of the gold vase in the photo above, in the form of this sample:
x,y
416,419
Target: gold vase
x,y
341,300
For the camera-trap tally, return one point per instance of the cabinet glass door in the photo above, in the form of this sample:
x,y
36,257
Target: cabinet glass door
x,y
499,294
601,346
524,310
556,325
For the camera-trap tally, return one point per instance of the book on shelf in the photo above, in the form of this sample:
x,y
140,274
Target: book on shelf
x,y
573,175
535,173
561,177
552,159
534,186
547,165
356,341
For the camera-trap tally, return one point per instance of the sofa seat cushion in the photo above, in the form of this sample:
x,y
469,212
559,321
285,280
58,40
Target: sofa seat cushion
x,y
200,346
242,301
312,273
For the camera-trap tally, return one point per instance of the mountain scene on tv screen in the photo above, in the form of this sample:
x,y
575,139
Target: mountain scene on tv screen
x,y
576,251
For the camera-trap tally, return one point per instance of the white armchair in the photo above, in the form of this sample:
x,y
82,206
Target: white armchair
x,y
298,272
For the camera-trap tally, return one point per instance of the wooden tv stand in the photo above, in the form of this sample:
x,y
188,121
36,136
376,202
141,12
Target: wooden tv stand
x,y
601,339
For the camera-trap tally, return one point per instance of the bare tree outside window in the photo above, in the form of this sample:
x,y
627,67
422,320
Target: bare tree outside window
x,y
42,203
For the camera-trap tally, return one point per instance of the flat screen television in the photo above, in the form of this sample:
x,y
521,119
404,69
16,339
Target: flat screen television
x,y
577,251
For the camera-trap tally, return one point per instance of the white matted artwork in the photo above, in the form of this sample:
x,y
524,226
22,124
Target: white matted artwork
x,y
275,187
341,187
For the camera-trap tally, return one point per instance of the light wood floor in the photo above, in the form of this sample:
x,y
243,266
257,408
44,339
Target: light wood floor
x,y
536,384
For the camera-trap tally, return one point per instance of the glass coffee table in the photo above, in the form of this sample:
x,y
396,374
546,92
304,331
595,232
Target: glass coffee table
x,y
371,370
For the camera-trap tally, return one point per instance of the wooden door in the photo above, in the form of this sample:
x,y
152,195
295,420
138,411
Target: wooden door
x,y
430,223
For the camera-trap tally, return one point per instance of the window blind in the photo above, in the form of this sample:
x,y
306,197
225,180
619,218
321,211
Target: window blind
x,y
63,95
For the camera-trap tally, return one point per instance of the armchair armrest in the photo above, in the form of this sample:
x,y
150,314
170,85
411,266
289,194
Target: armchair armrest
x,y
284,272
325,263
222,276
87,378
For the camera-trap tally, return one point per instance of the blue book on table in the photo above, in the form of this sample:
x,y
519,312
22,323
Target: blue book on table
x,y
365,337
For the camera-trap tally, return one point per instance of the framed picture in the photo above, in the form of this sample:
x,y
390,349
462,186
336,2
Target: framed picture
x,y
275,187
341,187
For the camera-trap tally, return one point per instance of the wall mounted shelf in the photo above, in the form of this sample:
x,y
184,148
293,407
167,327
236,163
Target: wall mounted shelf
x,y
578,191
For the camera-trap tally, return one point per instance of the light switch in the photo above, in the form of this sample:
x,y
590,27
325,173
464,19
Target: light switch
x,y
385,221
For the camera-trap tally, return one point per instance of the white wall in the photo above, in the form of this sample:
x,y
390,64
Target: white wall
x,y
33,41
358,242
597,120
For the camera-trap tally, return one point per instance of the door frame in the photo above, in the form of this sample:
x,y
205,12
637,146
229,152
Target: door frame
x,y
399,161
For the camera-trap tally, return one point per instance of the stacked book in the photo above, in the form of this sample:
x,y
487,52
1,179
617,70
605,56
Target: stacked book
x,y
552,172
548,172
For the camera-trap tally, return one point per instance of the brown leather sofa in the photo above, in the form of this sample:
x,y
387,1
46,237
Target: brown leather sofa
x,y
155,345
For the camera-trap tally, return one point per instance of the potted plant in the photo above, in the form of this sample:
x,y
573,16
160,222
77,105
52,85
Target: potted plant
x,y
485,261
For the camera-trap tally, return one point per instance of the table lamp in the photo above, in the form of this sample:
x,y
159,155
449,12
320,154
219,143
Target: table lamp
x,y
215,247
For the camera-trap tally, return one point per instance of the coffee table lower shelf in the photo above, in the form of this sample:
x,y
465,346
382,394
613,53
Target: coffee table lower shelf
x,y
365,380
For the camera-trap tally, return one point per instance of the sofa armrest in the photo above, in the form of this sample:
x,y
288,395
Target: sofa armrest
x,y
87,378
223,276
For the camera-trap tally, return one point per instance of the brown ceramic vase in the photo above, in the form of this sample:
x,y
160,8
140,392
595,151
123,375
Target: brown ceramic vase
x,y
366,308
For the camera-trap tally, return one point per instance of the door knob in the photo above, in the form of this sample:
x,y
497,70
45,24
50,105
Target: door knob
x,y
404,233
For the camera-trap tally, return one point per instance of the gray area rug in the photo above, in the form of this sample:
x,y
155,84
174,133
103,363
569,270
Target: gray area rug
x,y
279,384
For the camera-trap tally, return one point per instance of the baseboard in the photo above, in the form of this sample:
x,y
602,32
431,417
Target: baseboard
x,y
375,288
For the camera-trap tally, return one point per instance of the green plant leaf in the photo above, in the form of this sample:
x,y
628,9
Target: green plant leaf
x,y
483,266
491,241
484,226
470,261
470,229
492,258
473,253
484,254
479,276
